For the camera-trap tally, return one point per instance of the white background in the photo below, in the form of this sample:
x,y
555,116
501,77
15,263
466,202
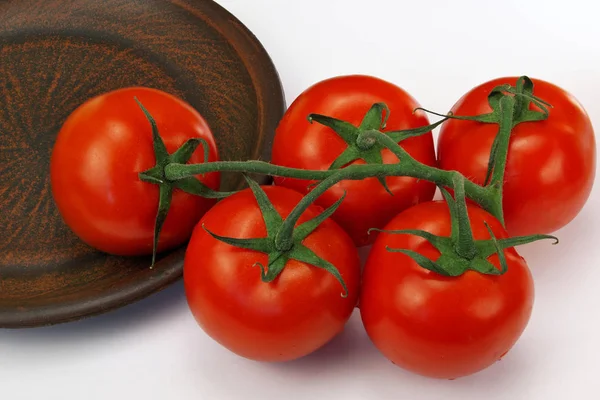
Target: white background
x,y
436,50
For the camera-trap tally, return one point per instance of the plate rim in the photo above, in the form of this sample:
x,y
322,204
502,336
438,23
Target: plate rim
x,y
272,101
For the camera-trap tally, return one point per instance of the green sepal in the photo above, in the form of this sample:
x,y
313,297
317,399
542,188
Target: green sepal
x,y
193,186
347,156
376,118
156,175
485,267
344,129
308,227
150,176
160,150
423,261
523,94
278,258
264,245
499,250
164,203
486,247
277,261
461,252
401,135
362,146
304,254
271,217
450,263
443,244
383,182
185,152
489,118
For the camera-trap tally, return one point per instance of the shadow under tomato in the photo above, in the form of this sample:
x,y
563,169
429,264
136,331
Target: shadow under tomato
x,y
352,345
352,354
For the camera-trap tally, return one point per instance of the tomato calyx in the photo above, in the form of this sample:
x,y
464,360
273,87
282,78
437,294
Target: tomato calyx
x,y
460,252
156,175
279,254
521,93
506,101
362,147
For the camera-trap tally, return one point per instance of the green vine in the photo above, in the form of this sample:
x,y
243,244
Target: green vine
x,y
510,105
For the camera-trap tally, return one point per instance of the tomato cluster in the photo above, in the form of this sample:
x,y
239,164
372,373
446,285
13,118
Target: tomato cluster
x,y
273,281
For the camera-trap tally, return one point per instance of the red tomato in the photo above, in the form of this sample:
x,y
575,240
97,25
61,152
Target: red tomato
x,y
551,164
100,150
439,326
300,144
290,317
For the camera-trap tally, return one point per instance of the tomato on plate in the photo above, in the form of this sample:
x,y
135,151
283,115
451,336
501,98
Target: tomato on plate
x,y
300,144
287,318
551,164
98,153
438,326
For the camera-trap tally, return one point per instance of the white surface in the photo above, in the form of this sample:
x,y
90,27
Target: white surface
x,y
436,50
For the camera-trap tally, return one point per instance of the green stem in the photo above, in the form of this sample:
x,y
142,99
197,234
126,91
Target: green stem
x,y
507,108
407,166
464,242
415,169
490,197
176,171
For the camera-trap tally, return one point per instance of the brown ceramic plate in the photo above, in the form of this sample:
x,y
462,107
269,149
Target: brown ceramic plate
x,y
54,55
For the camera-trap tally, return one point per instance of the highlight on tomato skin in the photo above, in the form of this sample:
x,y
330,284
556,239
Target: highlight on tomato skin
x,y
551,164
300,144
288,318
438,326
99,152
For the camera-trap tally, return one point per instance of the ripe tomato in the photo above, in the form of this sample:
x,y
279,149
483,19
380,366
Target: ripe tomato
x,y
290,317
551,164
437,326
300,144
100,150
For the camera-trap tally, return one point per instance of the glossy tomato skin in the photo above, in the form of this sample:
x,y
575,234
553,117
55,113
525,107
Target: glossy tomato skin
x,y
438,326
100,150
300,144
551,164
288,318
